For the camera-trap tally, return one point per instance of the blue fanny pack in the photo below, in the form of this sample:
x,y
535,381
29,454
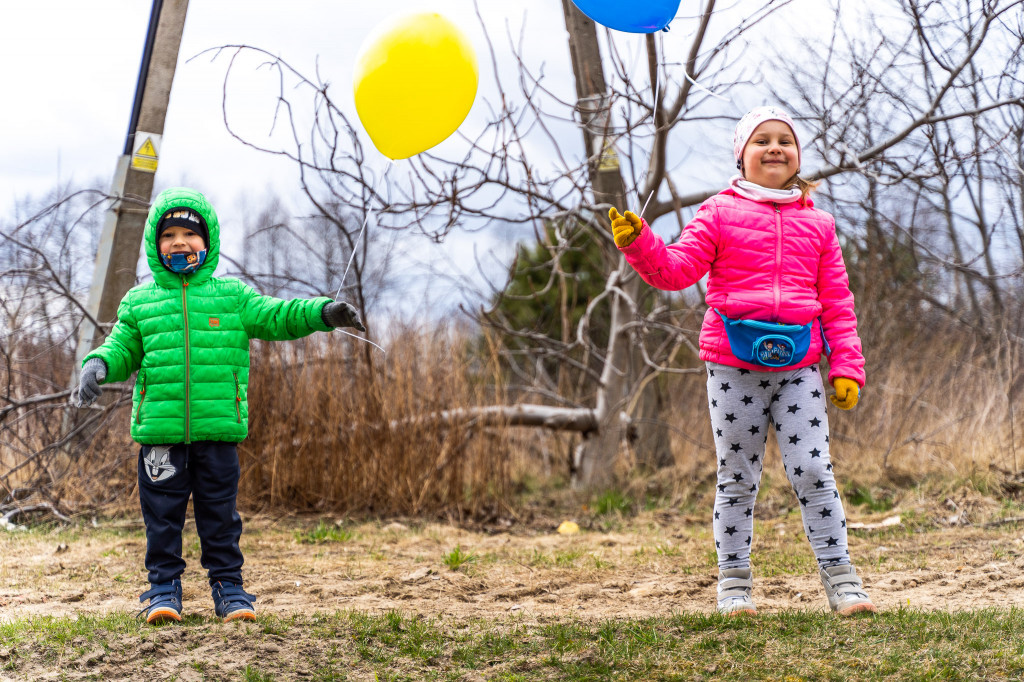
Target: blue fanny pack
x,y
770,344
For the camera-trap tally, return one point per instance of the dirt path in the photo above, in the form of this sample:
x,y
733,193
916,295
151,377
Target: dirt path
x,y
653,565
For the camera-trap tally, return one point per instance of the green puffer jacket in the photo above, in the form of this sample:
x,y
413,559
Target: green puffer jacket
x,y
188,337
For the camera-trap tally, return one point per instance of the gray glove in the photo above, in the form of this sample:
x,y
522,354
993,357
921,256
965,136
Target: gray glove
x,y
93,372
341,314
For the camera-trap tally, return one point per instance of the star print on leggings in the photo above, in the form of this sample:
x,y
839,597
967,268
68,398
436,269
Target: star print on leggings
x,y
741,404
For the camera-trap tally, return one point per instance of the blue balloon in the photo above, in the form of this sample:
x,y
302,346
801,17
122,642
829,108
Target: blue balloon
x,y
638,16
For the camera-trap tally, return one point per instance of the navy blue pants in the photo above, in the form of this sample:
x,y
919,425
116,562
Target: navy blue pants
x,y
206,471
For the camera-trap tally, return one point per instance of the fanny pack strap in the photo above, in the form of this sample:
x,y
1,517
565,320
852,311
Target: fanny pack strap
x,y
824,342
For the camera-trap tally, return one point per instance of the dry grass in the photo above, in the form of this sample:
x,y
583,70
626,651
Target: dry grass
x,y
335,428
938,412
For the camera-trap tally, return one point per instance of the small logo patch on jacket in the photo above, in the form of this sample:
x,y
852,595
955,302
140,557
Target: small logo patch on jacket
x,y
214,321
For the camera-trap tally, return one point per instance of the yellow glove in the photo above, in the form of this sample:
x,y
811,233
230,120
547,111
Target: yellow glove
x,y
847,392
625,228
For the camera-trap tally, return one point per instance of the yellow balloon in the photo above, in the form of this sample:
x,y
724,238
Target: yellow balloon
x,y
415,82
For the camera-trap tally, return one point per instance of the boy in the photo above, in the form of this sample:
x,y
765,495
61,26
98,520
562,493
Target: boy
x,y
187,333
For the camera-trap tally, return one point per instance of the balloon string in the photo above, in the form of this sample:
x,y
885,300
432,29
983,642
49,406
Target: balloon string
x,y
355,246
369,212
356,336
657,83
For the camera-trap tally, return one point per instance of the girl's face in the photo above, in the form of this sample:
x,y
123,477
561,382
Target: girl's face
x,y
771,156
178,239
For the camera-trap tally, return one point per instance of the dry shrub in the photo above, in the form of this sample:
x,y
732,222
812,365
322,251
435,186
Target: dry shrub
x,y
333,429
939,405
51,453
333,426
338,428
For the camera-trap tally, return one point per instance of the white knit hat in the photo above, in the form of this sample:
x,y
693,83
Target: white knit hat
x,y
755,117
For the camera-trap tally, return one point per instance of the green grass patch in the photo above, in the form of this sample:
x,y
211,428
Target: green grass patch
x,y
861,496
322,533
458,557
612,502
898,644
254,674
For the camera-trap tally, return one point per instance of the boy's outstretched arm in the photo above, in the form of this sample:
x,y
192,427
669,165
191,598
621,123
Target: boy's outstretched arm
x,y
275,319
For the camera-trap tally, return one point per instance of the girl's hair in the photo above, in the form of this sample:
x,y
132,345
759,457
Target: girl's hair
x,y
805,186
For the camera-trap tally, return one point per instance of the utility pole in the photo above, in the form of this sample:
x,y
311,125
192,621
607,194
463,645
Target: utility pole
x,y
594,459
118,254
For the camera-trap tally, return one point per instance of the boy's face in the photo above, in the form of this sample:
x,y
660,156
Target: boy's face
x,y
178,239
771,156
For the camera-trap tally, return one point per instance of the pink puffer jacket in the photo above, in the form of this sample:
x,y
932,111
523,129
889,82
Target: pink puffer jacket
x,y
769,262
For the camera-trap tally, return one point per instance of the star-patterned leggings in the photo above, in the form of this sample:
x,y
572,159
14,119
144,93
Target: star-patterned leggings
x,y
744,405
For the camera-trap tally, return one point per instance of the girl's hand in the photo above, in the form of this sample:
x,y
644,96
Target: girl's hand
x,y
847,392
625,228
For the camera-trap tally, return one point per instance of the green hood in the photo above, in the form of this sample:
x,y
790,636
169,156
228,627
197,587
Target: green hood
x,y
181,197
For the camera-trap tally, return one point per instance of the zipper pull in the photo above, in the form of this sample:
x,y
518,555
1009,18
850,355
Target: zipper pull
x,y
776,205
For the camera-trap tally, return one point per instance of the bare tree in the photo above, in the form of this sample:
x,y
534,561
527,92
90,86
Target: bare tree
x,y
45,265
877,102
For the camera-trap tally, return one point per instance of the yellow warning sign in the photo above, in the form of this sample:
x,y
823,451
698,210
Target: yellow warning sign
x,y
147,148
145,157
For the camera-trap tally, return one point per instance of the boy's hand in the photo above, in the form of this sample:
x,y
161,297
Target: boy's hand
x,y
847,393
341,314
625,228
93,372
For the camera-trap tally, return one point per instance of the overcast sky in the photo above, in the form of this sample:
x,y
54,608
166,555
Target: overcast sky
x,y
71,68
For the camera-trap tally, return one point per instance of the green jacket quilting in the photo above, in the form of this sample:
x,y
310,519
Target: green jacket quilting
x,y
188,337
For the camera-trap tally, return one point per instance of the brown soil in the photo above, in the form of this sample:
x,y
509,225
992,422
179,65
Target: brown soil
x,y
656,564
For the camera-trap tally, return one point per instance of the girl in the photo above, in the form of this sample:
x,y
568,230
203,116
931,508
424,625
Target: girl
x,y
778,297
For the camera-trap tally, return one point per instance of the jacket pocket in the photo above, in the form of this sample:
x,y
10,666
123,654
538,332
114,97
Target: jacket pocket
x,y
238,398
142,398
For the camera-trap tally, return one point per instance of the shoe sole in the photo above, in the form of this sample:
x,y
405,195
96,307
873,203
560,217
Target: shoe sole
x,y
157,616
858,608
742,612
241,614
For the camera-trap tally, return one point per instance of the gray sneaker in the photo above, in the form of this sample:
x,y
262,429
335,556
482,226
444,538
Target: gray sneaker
x,y
846,595
734,588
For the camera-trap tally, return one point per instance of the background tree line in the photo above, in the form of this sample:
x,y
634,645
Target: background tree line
x,y
912,118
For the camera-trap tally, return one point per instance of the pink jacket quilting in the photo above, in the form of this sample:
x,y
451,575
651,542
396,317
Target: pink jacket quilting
x,y
764,261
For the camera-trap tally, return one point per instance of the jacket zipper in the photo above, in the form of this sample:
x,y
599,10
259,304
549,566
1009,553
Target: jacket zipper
x,y
184,310
142,399
777,280
238,398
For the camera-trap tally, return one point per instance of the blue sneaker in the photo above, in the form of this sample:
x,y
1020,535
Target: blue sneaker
x,y
231,602
164,602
